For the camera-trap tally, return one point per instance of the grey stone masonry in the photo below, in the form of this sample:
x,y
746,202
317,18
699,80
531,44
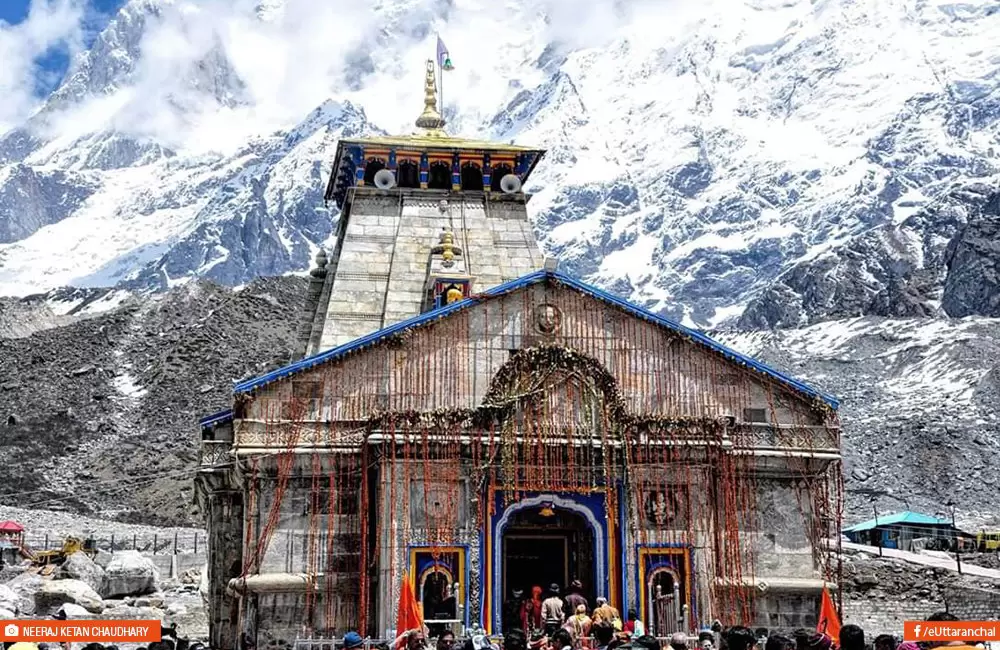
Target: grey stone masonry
x,y
380,275
887,616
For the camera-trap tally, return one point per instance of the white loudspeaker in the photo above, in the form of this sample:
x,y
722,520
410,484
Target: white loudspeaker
x,y
510,184
385,179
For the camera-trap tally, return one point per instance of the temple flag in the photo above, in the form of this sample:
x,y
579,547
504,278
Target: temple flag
x,y
829,623
444,59
409,614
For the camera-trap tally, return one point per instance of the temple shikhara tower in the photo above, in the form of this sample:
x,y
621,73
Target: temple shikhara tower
x,y
465,417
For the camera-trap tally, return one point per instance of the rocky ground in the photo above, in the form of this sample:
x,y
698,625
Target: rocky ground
x,y
988,560
869,577
880,594
47,529
125,585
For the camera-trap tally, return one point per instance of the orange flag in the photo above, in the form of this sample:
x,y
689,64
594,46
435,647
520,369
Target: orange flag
x,y
409,613
829,623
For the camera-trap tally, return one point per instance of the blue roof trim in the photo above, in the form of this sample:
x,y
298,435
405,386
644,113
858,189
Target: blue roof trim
x,y
507,287
216,418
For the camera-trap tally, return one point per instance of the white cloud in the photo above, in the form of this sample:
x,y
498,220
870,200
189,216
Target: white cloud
x,y
50,24
297,53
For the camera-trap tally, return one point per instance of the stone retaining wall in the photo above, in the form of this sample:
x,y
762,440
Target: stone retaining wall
x,y
884,616
974,604
887,617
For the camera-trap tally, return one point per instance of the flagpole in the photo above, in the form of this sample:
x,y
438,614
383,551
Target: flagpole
x,y
441,82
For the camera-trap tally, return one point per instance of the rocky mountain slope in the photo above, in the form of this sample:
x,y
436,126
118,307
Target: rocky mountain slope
x,y
99,405
778,162
100,393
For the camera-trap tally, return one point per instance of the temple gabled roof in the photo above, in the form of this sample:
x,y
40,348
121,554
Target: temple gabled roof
x,y
537,277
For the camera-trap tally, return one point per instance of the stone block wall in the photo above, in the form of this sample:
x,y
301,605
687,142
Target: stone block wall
x,y
973,604
887,616
380,274
789,611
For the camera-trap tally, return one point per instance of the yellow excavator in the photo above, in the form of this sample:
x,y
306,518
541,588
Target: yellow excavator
x,y
71,545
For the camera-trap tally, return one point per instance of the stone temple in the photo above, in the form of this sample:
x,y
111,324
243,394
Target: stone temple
x,y
466,418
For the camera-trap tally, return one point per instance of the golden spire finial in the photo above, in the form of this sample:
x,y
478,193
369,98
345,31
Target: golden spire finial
x,y
431,120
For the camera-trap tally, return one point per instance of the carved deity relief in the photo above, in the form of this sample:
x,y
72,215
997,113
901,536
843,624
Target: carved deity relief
x,y
548,319
664,508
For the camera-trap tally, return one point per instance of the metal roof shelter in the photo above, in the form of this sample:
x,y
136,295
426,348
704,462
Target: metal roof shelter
x,y
905,518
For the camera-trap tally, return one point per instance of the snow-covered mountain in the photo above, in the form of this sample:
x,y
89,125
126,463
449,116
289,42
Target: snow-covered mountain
x,y
771,162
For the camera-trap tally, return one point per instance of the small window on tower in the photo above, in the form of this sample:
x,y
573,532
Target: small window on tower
x,y
373,167
440,176
472,177
498,173
408,174
755,415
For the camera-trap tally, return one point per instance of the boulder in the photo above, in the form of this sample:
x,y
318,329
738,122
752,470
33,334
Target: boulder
x,y
56,593
191,577
79,566
72,610
129,574
148,602
9,600
26,586
102,558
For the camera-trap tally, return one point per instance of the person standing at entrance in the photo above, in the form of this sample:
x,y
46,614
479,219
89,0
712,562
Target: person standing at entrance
x,y
633,625
579,623
531,612
512,612
575,598
552,610
607,614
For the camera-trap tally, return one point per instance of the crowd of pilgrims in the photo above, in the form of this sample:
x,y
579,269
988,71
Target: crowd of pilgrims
x,y
568,623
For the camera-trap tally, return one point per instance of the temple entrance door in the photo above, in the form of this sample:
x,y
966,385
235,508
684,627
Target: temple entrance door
x,y
542,546
535,559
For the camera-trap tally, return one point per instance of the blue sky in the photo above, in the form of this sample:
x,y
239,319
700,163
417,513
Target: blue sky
x,y
52,65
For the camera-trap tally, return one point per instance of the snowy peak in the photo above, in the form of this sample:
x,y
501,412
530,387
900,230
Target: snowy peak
x,y
111,61
274,190
766,162
154,71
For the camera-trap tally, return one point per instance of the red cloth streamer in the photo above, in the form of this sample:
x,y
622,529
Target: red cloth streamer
x,y
829,622
409,614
